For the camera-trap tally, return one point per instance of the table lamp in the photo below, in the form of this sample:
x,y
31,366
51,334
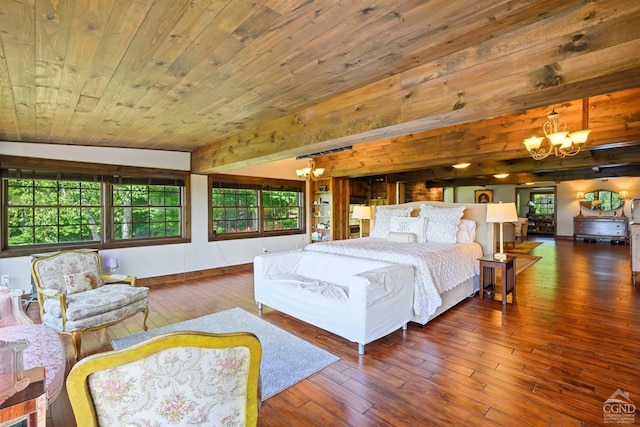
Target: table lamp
x,y
501,213
580,197
112,264
361,212
624,195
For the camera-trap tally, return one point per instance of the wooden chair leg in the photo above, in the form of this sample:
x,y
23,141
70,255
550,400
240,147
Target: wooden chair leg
x,y
146,315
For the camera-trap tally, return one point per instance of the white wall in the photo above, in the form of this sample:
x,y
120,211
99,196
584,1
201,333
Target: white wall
x,y
200,254
150,261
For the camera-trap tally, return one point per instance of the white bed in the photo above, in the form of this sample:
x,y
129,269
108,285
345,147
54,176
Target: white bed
x,y
445,273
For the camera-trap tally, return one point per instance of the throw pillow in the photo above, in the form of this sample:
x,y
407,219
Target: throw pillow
x,y
382,220
466,231
402,237
414,225
77,282
442,223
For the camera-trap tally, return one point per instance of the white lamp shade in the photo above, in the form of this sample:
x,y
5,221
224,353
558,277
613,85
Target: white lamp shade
x,y
580,137
533,143
112,263
557,138
501,212
361,212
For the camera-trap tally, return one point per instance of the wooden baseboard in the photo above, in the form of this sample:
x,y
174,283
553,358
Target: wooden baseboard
x,y
191,275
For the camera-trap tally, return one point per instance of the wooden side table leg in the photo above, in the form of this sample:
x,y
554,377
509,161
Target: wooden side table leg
x,y
512,277
481,290
505,282
39,417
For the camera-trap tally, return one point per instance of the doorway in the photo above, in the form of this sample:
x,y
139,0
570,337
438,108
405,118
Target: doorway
x,y
538,204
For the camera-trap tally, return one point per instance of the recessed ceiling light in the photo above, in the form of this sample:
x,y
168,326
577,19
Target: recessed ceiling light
x,y
461,165
501,175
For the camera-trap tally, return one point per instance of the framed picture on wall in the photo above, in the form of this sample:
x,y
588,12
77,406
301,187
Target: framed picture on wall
x,y
483,196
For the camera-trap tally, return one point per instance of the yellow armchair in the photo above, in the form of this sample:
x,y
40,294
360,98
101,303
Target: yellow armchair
x,y
177,379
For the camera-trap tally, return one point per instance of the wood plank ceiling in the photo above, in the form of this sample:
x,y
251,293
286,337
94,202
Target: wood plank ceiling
x,y
413,86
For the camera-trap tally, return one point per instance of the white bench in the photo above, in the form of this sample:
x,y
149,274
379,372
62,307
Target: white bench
x,y
358,299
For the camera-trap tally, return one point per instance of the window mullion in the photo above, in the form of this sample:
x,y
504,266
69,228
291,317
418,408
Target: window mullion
x,y
261,218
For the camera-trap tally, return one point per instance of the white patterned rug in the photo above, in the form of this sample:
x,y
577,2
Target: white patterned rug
x,y
286,359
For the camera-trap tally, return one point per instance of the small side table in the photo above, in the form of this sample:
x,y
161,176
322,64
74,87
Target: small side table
x,y
30,402
488,267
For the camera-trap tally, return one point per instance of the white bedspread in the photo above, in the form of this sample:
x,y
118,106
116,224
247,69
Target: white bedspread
x,y
438,266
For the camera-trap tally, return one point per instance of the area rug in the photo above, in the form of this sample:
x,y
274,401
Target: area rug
x,y
523,247
286,359
525,261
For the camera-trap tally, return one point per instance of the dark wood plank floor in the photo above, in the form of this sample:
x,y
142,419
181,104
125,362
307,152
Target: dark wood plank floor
x,y
569,343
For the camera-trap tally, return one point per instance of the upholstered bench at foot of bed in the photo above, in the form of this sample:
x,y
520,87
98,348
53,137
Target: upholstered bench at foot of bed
x,y
358,299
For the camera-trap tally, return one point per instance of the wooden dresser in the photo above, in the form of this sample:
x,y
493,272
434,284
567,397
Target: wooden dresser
x,y
601,228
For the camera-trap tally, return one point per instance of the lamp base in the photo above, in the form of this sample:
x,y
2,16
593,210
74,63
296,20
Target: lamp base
x,y
500,257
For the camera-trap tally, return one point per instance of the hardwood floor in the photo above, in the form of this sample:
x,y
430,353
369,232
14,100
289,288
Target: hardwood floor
x,y
569,343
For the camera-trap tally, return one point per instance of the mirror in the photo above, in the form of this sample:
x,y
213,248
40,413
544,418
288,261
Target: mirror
x,y
601,201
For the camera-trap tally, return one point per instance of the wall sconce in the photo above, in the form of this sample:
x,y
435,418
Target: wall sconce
x,y
112,264
580,197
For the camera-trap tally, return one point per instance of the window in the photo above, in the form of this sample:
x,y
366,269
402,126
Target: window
x,y
146,211
51,212
243,207
235,210
61,205
545,203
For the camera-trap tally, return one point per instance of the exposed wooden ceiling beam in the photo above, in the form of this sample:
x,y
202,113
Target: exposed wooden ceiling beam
x,y
527,69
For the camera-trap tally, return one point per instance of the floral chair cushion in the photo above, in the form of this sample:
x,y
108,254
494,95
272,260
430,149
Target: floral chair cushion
x,y
96,301
96,320
183,386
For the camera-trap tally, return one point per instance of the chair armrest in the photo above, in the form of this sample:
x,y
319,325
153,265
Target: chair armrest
x,y
109,280
267,265
51,293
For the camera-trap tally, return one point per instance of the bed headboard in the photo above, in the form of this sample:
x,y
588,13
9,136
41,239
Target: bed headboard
x,y
477,212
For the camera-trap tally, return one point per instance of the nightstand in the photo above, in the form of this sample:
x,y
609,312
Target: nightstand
x,y
488,267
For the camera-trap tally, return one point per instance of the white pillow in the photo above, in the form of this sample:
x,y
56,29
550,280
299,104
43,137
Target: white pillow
x,y
395,236
466,231
442,223
415,225
382,220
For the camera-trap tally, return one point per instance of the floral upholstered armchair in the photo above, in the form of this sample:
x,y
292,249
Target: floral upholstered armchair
x,y
75,297
174,379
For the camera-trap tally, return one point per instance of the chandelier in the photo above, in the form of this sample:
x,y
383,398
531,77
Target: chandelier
x,y
562,143
310,173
